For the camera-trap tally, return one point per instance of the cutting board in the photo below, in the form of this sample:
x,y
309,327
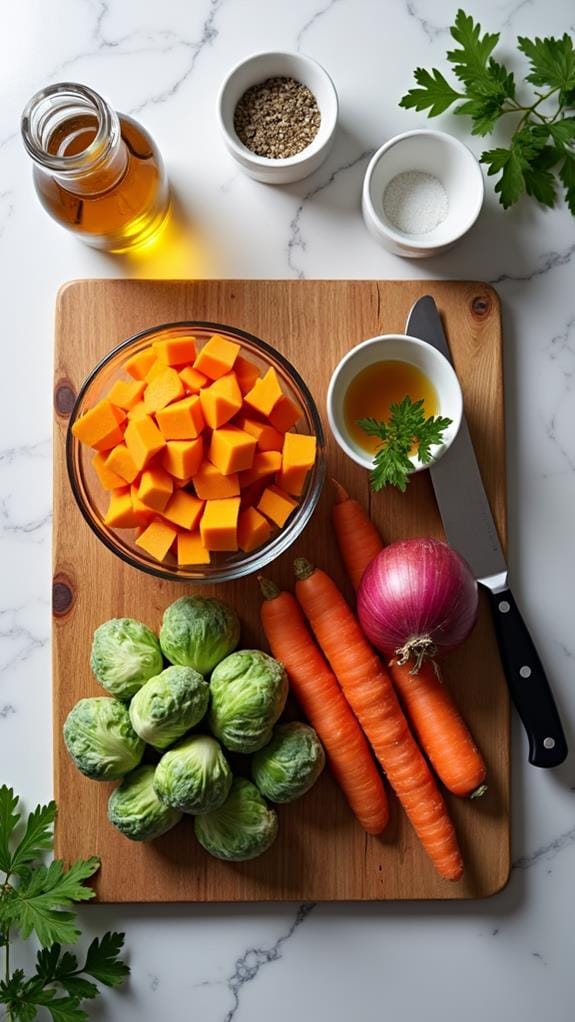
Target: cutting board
x,y
321,852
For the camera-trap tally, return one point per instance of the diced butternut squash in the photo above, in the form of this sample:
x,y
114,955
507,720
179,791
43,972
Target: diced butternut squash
x,y
210,484
285,414
145,514
120,461
155,369
277,505
175,351
110,440
265,464
250,495
267,438
192,379
157,538
155,489
219,524
182,458
265,393
298,456
217,357
221,401
108,480
182,420
184,509
164,388
143,440
126,393
98,423
191,550
246,372
253,530
231,450
137,411
120,513
139,364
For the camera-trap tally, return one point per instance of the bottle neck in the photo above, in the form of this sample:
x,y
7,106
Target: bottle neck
x,y
74,136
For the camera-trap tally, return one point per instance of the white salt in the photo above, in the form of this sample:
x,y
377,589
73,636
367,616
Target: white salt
x,y
415,202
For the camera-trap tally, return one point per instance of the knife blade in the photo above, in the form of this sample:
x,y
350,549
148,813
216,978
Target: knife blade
x,y
471,530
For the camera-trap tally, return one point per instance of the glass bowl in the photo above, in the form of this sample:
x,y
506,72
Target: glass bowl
x,y
92,499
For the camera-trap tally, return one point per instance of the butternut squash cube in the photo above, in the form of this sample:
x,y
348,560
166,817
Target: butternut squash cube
x,y
145,514
182,458
98,423
139,364
120,461
184,509
110,440
285,415
182,420
191,550
175,351
210,484
298,456
246,373
277,505
265,393
192,379
221,400
108,480
219,524
120,513
155,489
265,464
126,393
157,538
137,411
217,357
164,388
232,450
155,369
143,440
267,438
253,530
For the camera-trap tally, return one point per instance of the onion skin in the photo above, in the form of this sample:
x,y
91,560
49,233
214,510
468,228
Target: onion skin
x,y
418,598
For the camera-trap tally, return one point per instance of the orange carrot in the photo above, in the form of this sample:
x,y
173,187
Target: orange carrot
x,y
325,706
368,689
441,730
357,537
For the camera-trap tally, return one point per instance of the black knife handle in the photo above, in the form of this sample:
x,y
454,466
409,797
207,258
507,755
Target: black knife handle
x,y
527,683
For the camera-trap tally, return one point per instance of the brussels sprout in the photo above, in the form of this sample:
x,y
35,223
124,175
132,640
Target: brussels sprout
x,y
169,705
101,740
125,653
248,693
290,764
243,828
135,809
194,776
198,632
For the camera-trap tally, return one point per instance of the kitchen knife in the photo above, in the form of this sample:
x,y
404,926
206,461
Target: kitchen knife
x,y
471,530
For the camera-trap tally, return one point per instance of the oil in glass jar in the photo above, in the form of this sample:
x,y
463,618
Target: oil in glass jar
x,y
96,172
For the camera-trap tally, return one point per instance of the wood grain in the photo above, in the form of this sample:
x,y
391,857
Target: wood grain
x,y
321,853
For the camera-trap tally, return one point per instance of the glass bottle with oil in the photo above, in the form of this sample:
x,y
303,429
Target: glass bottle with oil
x,y
96,172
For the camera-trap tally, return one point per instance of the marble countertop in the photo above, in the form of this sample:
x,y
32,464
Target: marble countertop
x,y
510,956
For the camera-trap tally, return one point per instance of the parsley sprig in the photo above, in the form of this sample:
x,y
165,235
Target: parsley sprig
x,y
542,145
406,427
35,898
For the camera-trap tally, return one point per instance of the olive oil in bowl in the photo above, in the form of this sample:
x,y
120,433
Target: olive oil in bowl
x,y
372,392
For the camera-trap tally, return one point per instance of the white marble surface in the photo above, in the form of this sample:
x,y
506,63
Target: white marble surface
x,y
511,956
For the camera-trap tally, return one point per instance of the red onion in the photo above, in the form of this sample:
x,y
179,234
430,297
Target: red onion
x,y
417,598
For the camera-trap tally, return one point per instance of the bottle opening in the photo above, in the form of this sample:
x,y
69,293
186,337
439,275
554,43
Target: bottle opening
x,y
68,127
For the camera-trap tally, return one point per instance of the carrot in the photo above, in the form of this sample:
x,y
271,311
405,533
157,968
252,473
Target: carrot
x,y
368,689
357,537
325,706
441,730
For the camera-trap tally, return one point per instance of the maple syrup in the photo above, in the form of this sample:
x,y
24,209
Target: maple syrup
x,y
375,388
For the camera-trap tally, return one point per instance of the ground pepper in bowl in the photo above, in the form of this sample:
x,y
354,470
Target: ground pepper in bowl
x,y
277,118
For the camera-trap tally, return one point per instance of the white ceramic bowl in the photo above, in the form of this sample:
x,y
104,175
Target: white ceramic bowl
x,y
431,152
256,69
404,349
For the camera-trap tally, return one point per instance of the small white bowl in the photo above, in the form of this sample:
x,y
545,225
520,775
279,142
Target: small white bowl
x,y
256,69
403,349
431,152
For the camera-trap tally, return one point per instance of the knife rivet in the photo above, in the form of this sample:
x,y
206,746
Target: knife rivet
x,y
504,607
548,743
525,672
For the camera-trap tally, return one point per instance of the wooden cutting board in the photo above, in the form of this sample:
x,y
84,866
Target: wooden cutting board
x,y
321,852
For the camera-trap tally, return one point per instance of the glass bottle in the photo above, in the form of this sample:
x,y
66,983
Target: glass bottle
x,y
96,172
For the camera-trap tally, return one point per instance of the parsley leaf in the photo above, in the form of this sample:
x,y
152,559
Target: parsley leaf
x,y
567,175
40,901
102,960
37,838
470,61
552,63
435,94
407,426
8,821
